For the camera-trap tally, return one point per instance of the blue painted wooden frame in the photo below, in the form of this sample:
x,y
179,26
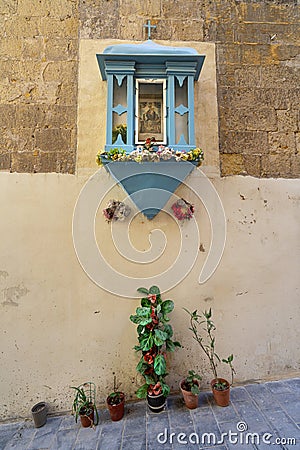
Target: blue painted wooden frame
x,y
150,60
150,184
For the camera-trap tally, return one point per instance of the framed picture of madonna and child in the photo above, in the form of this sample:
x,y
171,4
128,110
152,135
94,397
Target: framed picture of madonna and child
x,y
150,111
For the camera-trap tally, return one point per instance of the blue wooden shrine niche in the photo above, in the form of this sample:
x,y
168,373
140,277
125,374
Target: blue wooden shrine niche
x,y
150,93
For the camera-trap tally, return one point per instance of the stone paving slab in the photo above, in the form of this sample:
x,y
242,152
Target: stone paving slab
x,y
260,416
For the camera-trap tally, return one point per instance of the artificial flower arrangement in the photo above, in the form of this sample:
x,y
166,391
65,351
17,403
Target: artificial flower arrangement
x,y
116,210
150,151
182,209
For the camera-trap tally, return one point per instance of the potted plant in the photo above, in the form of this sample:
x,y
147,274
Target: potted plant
x,y
220,386
154,341
115,402
190,389
84,404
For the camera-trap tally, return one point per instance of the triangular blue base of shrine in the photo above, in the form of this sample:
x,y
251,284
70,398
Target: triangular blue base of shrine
x,y
150,184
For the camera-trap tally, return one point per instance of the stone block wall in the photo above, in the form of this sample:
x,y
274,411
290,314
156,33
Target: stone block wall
x,y
258,65
38,85
258,61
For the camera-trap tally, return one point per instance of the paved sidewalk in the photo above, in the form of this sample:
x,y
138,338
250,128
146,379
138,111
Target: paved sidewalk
x,y
260,416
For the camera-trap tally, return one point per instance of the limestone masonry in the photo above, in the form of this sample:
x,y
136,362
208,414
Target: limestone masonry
x,y
257,49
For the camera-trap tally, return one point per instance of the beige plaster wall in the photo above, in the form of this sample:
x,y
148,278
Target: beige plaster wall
x,y
59,329
92,103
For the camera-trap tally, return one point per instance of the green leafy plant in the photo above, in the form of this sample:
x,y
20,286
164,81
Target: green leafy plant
x,y
191,382
115,398
207,341
221,385
84,401
154,341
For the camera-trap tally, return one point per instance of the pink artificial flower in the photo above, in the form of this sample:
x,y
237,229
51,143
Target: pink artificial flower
x,y
152,298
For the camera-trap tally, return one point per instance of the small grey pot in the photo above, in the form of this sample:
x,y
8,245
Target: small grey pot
x,y
39,414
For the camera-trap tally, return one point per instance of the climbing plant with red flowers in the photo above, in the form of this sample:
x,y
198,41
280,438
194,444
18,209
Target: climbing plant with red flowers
x,y
154,341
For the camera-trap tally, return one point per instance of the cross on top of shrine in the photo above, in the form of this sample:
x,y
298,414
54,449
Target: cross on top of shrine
x,y
149,26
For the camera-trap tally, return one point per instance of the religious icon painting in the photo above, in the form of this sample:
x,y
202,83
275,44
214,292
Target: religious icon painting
x,y
150,110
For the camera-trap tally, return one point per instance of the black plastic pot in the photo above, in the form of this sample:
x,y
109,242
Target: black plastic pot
x,y
156,403
39,414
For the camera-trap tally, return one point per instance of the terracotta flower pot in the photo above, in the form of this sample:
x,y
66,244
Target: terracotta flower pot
x,y
87,418
39,414
190,399
222,397
116,411
156,403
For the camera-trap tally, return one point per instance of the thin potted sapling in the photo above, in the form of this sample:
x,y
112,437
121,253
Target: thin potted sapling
x,y
204,336
115,403
154,342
